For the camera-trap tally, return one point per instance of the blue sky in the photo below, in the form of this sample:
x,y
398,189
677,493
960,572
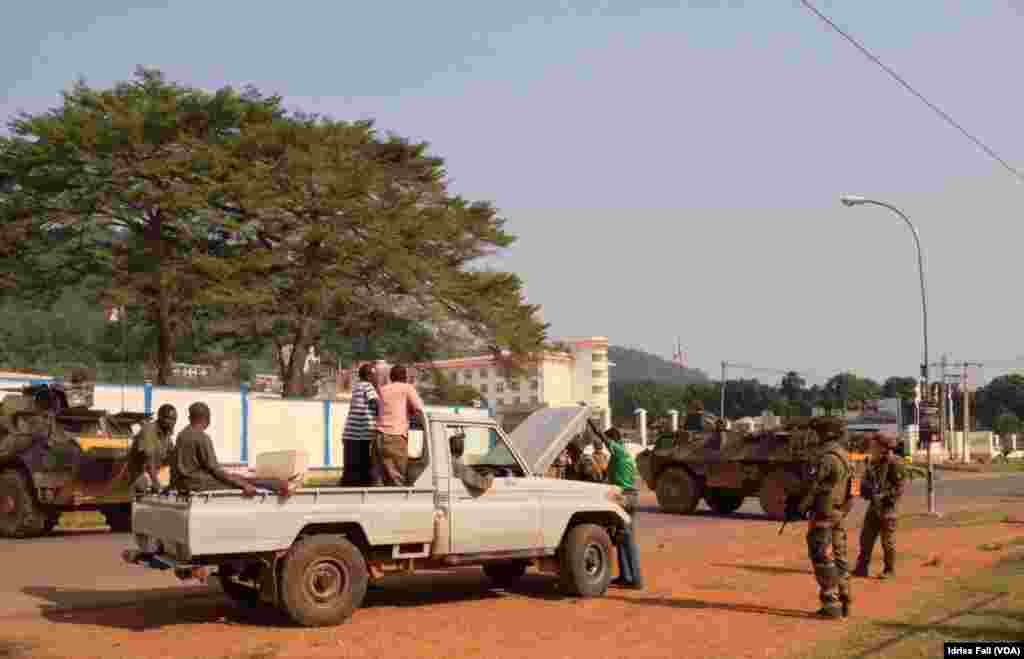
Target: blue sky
x,y
670,169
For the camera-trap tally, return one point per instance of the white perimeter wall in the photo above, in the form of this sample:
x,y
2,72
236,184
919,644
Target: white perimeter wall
x,y
246,424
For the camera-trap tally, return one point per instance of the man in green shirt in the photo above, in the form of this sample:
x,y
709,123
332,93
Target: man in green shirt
x,y
622,472
151,450
194,466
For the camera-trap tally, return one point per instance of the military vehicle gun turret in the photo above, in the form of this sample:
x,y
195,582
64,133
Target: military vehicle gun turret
x,y
724,467
59,454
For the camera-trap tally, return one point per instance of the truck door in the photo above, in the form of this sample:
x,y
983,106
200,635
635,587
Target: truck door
x,y
504,518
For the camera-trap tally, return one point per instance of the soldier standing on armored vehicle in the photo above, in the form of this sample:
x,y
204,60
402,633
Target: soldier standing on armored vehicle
x,y
151,450
694,421
882,487
827,502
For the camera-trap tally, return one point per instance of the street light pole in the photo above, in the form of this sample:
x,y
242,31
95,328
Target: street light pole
x,y
851,200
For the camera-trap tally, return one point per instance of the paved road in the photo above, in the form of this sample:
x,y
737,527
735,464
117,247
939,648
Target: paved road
x,y
84,569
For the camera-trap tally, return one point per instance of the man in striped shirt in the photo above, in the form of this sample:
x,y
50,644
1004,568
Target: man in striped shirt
x,y
360,429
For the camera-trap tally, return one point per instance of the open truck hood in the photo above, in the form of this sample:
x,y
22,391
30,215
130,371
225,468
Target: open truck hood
x,y
545,434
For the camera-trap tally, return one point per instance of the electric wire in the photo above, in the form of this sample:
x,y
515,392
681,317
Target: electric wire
x,y
899,79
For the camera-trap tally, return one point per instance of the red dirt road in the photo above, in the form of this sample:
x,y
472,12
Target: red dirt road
x,y
717,587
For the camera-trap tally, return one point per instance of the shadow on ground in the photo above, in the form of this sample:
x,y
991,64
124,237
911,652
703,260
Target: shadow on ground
x,y
763,569
156,608
684,603
655,510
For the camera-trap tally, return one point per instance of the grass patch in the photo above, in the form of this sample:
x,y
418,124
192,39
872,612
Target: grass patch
x,y
987,606
998,466
999,546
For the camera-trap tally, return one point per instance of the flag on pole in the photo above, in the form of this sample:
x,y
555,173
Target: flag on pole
x,y
679,357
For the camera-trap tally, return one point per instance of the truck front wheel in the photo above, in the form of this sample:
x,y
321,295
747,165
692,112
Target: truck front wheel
x,y
678,492
323,581
586,561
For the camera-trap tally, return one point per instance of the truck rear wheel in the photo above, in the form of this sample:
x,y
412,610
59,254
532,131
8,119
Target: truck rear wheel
x,y
323,581
678,491
20,514
586,561
506,572
723,501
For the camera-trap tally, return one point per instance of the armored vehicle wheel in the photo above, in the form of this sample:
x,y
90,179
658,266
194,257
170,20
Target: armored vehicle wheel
x,y
724,501
678,491
773,495
586,561
505,572
20,515
323,581
119,518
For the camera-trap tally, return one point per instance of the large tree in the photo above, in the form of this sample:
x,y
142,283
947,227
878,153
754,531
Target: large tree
x,y
334,225
114,186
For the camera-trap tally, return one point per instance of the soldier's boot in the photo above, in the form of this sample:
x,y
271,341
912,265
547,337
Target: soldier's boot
x,y
831,611
847,607
888,572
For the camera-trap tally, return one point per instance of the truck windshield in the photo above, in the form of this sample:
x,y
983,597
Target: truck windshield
x,y
485,447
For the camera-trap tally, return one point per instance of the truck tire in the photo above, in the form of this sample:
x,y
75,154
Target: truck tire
x,y
119,518
239,593
323,581
678,492
586,561
506,572
20,514
723,501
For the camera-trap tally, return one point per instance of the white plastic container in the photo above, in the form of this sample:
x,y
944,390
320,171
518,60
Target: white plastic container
x,y
281,465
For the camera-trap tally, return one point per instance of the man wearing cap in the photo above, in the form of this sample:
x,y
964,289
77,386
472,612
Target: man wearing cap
x,y
194,466
882,487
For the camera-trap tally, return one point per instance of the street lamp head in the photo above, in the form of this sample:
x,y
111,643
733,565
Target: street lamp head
x,y
852,200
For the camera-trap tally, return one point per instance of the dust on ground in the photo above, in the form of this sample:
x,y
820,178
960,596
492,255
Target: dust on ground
x,y
734,588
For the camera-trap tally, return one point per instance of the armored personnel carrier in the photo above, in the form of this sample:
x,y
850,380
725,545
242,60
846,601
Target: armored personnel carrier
x,y
724,467
58,454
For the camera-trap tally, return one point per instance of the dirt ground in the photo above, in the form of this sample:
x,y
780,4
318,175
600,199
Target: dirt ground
x,y
734,588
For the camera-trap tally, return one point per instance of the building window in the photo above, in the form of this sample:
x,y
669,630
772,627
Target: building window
x,y
483,388
534,399
517,400
468,376
598,389
599,357
483,372
533,372
499,387
534,385
513,385
597,375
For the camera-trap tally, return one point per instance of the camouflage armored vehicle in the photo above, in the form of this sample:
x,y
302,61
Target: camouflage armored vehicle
x,y
58,454
724,467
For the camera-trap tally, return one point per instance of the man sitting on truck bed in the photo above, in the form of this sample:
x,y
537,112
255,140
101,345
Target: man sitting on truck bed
x,y
194,465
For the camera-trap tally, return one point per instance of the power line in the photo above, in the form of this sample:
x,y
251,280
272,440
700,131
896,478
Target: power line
x,y
896,76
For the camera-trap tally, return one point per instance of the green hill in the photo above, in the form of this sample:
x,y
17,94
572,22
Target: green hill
x,y
632,365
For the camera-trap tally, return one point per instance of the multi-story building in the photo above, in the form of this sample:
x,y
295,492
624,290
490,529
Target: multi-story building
x,y
579,374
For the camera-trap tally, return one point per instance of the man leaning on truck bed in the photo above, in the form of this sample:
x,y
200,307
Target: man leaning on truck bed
x,y
194,465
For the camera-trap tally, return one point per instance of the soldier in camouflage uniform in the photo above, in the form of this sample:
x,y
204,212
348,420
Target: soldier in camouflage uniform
x,y
151,450
827,503
882,487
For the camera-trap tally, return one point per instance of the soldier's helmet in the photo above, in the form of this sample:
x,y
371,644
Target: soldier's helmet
x,y
887,440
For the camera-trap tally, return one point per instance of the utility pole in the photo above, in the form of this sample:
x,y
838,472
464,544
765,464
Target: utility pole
x,y
721,406
943,415
947,412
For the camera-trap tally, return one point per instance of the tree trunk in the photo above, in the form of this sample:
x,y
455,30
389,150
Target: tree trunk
x,y
292,375
165,337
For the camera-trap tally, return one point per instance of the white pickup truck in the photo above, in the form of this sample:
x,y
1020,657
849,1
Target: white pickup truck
x,y
310,553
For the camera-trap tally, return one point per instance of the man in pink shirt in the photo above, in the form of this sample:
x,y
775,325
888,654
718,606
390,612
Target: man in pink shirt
x,y
398,401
